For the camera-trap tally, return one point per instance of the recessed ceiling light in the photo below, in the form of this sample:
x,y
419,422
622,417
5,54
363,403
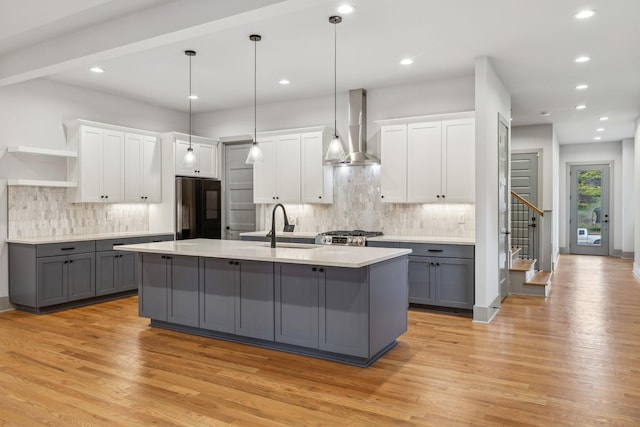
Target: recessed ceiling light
x,y
598,138
581,107
604,118
582,87
96,69
406,61
346,9
284,82
583,58
193,96
584,14
600,129
545,113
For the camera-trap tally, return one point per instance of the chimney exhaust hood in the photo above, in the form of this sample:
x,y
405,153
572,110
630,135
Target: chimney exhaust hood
x,y
357,132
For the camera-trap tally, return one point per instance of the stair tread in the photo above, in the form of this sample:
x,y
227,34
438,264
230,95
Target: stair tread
x,y
515,250
522,264
541,278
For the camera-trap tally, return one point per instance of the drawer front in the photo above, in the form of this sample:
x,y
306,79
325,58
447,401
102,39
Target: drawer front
x,y
436,250
108,244
254,239
68,248
155,238
383,244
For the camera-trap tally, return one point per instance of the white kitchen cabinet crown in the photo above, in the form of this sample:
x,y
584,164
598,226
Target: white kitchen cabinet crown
x,y
428,159
292,170
114,163
206,152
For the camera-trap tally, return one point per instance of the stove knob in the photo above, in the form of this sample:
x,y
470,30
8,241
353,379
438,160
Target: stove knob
x,y
359,241
349,240
326,240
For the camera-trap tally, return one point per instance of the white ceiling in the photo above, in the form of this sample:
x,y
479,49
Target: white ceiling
x,y
140,43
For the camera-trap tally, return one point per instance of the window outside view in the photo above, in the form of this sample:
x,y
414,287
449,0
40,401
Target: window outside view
x,y
589,207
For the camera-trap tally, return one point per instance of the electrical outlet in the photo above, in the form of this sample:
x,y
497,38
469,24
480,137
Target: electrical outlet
x,y
292,219
109,215
461,218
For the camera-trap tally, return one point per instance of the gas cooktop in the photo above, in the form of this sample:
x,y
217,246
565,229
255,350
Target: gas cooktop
x,y
346,237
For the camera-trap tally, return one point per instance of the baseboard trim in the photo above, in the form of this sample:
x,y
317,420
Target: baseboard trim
x,y
636,270
486,314
564,251
628,255
5,305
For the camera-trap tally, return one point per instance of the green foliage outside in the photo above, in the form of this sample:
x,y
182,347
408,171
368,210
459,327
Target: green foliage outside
x,y
589,199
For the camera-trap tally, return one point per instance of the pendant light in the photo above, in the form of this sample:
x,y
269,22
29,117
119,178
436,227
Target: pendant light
x,y
189,158
255,153
335,152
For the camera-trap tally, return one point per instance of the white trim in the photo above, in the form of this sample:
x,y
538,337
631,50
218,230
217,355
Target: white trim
x,y
41,183
81,122
324,129
422,119
636,270
41,151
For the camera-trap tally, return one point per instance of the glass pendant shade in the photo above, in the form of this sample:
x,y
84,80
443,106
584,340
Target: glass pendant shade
x,y
335,152
189,159
255,154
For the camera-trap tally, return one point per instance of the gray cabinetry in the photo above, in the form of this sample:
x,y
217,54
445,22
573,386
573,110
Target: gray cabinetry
x,y
422,283
152,292
296,304
254,300
218,278
455,282
81,276
115,272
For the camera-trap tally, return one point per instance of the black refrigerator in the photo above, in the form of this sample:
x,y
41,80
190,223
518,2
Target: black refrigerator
x,y
198,205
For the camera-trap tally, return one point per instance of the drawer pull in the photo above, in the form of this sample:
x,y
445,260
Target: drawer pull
x,y
435,250
67,249
118,244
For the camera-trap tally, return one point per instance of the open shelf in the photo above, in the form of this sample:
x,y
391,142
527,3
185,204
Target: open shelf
x,y
41,183
41,151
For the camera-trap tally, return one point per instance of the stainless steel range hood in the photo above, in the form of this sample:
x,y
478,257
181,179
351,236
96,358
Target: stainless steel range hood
x,y
358,132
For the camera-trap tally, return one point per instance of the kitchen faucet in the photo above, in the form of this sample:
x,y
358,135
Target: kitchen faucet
x,y
273,223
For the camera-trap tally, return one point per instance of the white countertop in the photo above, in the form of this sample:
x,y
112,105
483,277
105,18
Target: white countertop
x,y
424,239
290,253
293,234
82,237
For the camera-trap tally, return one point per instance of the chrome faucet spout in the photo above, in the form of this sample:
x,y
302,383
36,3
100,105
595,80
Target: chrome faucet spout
x,y
273,223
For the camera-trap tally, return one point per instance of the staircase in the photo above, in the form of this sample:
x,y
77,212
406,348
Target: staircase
x,y
524,277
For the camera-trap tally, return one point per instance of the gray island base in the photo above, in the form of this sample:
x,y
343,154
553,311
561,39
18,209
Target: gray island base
x,y
347,305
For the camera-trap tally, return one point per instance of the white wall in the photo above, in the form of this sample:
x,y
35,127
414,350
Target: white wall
x,y
628,198
636,244
491,99
593,153
32,114
555,231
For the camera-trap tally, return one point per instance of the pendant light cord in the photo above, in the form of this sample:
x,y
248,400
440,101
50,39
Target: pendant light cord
x,y
190,100
335,80
255,91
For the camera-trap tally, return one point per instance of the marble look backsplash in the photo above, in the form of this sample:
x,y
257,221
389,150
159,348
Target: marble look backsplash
x,y
357,205
45,212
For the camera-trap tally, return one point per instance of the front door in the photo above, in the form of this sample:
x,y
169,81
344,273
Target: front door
x,y
240,210
503,203
590,220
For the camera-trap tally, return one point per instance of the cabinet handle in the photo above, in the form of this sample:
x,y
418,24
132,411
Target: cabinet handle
x,y
435,250
142,197
106,197
437,264
163,257
382,197
443,196
274,197
314,269
68,249
438,196
102,197
277,198
433,263
230,262
65,262
70,262
321,270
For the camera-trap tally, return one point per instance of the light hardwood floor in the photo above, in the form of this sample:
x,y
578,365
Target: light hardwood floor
x,y
571,359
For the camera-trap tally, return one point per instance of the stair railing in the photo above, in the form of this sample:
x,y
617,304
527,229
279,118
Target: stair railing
x,y
525,219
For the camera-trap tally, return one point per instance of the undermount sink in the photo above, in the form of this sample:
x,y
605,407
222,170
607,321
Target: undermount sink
x,y
292,245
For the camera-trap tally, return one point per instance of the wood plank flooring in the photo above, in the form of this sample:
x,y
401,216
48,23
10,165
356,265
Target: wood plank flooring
x,y
571,359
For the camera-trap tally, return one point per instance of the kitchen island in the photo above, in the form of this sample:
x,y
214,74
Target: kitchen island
x,y
344,304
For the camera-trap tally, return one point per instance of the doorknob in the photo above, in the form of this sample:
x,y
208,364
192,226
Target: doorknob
x,y
228,228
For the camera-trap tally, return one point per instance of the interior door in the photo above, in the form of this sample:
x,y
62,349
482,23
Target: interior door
x,y
503,203
524,181
589,199
240,212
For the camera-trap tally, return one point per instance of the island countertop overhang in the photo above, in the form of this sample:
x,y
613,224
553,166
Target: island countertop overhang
x,y
327,256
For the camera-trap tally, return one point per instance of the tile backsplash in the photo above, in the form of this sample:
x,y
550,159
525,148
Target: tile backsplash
x,y
357,205
45,212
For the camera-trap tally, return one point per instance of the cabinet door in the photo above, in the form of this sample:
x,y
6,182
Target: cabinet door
x,y
422,280
206,160
317,179
151,169
133,192
81,276
296,304
106,272
180,150
393,169
254,300
454,283
264,178
288,169
183,290
344,311
424,165
218,282
112,159
126,272
90,165
153,287
52,280
458,160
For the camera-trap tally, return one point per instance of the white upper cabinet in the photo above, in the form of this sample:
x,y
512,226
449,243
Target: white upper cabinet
x,y
292,170
428,159
205,150
114,164
317,178
142,168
